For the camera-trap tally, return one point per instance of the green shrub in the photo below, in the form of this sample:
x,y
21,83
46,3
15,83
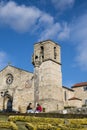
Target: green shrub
x,y
6,124
37,120
29,126
41,126
37,123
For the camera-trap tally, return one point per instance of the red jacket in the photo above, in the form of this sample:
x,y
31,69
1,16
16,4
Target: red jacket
x,y
39,108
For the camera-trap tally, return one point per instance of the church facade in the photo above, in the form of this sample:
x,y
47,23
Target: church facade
x,y
19,87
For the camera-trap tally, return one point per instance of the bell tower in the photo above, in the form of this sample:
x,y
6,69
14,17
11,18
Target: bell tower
x,y
47,75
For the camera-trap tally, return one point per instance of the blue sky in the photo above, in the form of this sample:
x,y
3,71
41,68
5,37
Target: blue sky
x,y
25,22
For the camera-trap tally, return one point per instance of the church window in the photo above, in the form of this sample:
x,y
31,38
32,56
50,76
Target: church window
x,y
54,52
85,88
57,106
85,101
9,79
42,51
65,96
36,57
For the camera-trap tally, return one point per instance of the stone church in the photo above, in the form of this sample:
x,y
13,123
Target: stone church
x,y
19,87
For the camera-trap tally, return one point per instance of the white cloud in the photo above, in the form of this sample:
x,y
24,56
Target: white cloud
x,y
46,18
3,59
81,58
57,31
79,38
25,18
50,32
79,28
63,4
65,32
20,18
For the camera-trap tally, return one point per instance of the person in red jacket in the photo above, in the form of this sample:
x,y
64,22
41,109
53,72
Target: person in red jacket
x,y
38,108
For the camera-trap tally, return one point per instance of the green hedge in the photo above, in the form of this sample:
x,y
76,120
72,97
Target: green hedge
x,y
8,125
41,126
59,123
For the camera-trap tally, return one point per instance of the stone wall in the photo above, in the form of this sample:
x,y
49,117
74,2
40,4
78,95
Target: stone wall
x,y
75,103
21,88
80,93
67,94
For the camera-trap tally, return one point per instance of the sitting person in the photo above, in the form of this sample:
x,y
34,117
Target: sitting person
x,y
38,108
29,108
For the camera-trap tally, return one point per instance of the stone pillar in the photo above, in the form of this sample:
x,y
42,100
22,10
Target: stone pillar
x,y
36,85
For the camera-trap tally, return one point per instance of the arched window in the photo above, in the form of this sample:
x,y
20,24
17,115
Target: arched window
x,y
85,88
54,52
65,96
42,52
